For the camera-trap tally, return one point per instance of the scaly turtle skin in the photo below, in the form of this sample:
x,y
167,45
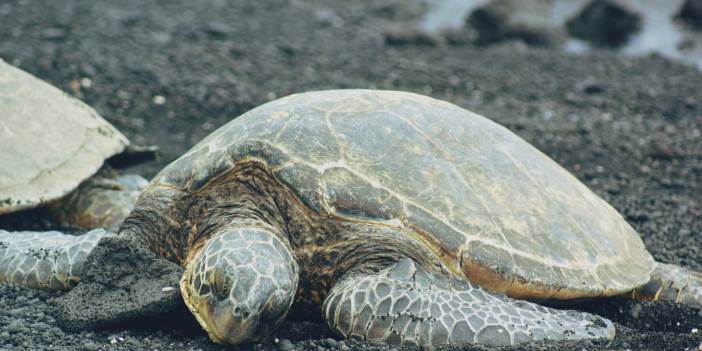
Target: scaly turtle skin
x,y
406,219
50,143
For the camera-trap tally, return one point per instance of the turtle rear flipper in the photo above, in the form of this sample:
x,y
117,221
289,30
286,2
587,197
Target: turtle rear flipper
x,y
672,283
405,305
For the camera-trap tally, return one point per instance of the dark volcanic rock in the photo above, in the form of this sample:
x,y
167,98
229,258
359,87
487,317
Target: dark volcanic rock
x,y
605,23
511,19
123,282
691,12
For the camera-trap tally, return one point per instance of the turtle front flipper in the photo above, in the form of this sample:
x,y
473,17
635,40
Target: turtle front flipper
x,y
51,260
405,305
672,283
120,281
241,283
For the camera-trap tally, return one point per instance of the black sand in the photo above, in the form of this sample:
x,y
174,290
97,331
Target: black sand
x,y
170,72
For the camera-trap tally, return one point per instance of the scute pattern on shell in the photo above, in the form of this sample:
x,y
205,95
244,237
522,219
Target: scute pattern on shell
x,y
491,205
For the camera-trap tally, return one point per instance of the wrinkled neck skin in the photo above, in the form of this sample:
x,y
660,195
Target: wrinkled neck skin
x,y
155,222
176,224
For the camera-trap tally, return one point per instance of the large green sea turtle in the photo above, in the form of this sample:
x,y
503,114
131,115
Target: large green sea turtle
x,y
406,219
52,151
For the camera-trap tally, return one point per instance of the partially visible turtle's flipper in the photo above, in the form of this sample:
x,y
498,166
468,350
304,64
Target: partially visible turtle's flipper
x,y
241,283
99,202
672,283
45,259
405,305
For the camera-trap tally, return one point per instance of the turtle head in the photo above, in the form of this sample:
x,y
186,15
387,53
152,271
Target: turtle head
x,y
231,290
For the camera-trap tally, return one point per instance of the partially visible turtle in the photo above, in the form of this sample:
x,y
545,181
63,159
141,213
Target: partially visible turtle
x,y
404,218
50,144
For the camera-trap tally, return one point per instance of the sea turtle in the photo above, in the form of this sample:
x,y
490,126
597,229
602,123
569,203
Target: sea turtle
x,y
50,144
406,219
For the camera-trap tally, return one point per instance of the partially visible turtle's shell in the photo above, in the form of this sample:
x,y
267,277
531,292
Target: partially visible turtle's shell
x,y
49,141
494,208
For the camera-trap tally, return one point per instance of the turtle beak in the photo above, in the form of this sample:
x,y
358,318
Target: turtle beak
x,y
233,300
224,321
232,328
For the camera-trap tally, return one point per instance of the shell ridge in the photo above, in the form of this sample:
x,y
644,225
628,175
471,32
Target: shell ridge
x,y
470,237
463,180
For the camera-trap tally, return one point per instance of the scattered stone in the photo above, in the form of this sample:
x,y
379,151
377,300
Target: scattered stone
x,y
217,30
162,38
635,311
285,345
330,343
90,346
410,36
288,50
663,150
328,17
53,33
591,86
607,23
515,19
86,83
691,13
159,100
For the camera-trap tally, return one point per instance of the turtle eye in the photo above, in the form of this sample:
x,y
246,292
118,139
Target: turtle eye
x,y
204,290
220,286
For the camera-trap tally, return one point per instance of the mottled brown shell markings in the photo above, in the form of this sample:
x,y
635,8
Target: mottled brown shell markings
x,y
487,203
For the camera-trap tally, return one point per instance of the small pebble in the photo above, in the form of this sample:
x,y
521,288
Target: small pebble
x,y
86,83
90,346
218,29
331,343
159,100
285,345
53,33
